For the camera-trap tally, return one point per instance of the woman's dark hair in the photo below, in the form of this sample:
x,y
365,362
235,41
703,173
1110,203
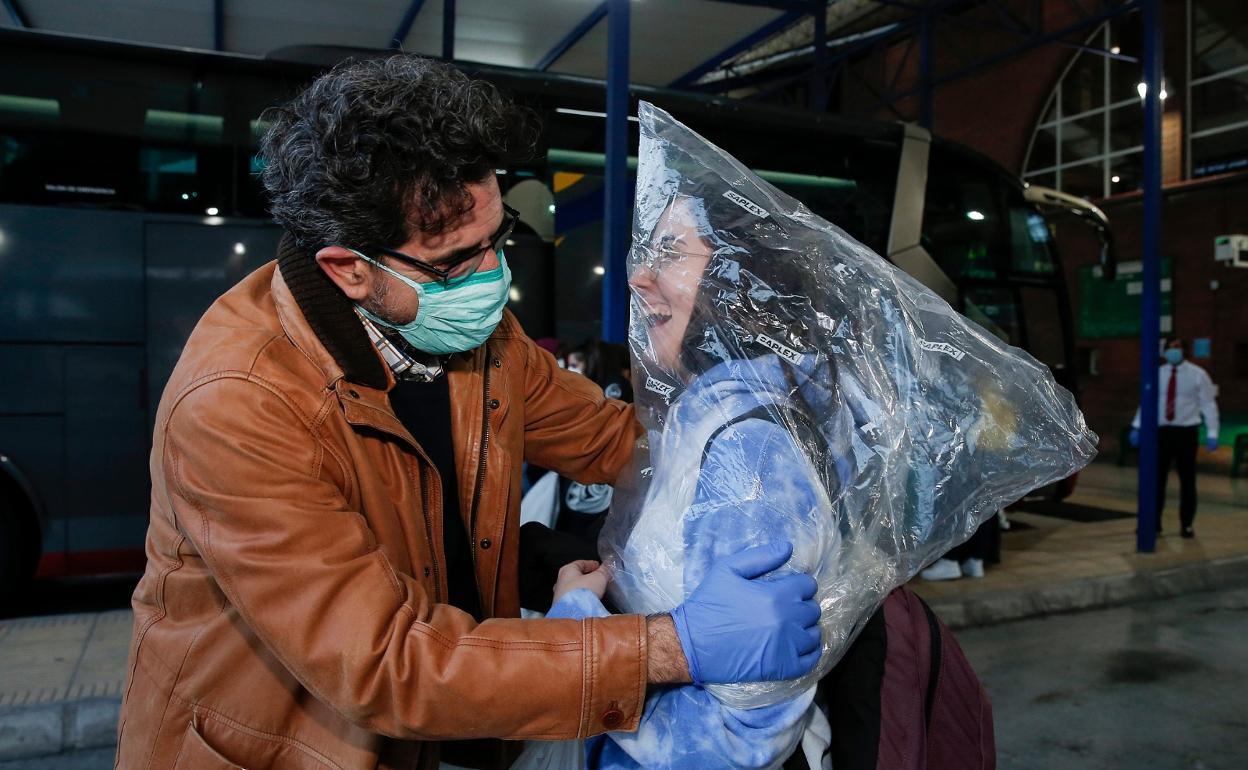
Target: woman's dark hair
x,y
756,283
374,150
760,288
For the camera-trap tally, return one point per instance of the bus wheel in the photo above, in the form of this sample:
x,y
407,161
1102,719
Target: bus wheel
x,y
20,545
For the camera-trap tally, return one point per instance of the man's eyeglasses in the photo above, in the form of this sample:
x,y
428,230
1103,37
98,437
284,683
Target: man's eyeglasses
x,y
461,267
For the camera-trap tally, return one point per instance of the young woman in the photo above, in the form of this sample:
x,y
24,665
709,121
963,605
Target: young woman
x,y
719,331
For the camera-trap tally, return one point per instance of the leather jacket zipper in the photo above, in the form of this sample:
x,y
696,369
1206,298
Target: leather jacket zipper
x,y
485,443
433,551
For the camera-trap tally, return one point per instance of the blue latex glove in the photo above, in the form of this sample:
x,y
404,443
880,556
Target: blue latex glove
x,y
1211,444
735,627
1134,438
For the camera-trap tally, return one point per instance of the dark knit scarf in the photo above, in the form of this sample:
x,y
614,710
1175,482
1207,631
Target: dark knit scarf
x,y
331,315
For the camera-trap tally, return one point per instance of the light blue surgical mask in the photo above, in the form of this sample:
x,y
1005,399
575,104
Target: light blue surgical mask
x,y
1174,356
455,319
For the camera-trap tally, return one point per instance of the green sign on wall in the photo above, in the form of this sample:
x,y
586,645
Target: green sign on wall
x,y
1112,308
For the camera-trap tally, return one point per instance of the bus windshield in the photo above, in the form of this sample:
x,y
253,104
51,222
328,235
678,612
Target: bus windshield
x,y
997,249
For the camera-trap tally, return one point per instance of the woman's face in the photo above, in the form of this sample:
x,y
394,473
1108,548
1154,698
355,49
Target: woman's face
x,y
665,283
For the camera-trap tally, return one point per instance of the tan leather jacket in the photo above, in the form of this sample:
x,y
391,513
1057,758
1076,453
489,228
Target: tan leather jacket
x,y
289,615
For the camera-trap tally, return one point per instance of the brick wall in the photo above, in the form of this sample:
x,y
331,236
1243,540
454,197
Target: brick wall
x,y
1192,215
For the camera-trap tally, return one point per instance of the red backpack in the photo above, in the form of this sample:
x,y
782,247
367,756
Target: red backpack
x,y
905,697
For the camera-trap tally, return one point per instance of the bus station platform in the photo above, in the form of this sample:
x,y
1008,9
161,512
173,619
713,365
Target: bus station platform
x,y
64,674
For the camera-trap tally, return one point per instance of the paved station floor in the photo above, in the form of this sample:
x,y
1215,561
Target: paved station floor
x,y
1091,537
1151,686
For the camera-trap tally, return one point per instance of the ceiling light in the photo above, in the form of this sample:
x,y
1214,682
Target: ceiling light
x,y
510,242
186,196
1115,179
599,270
552,208
514,294
1115,50
240,248
976,216
212,211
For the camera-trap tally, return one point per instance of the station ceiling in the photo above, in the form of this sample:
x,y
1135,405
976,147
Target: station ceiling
x,y
669,37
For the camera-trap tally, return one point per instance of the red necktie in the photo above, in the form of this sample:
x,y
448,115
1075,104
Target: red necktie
x,y
1170,395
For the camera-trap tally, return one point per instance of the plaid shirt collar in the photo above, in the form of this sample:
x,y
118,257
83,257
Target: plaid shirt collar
x,y
406,363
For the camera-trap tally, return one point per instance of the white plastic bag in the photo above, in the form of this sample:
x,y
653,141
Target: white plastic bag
x,y
551,755
795,385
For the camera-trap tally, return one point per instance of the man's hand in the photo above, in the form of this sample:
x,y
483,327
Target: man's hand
x,y
584,573
737,627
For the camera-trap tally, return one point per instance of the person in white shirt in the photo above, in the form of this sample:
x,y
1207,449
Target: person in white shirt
x,y
1184,395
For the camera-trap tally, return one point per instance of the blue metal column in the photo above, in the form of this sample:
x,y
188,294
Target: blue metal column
x,y
818,77
925,70
617,205
218,25
448,29
1150,305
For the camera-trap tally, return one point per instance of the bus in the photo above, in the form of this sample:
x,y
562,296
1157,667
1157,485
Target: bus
x,y
129,202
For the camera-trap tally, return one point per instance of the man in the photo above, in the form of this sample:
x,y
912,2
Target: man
x,y
331,577
1184,395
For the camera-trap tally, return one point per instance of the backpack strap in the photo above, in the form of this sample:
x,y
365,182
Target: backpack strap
x,y
763,412
933,675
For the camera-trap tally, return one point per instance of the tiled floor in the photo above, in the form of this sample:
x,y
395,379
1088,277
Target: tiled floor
x,y
63,657
1056,550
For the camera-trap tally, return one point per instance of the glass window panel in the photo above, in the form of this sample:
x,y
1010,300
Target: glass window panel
x,y
1220,102
964,224
1126,127
1125,173
1083,138
1220,153
1086,180
1219,36
1044,149
1083,88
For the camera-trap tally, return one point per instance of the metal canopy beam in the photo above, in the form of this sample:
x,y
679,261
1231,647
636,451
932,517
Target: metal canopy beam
x,y
844,48
15,13
573,37
1035,42
742,45
405,24
1031,32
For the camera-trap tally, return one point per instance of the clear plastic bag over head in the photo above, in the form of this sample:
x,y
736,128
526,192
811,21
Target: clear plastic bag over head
x,y
795,385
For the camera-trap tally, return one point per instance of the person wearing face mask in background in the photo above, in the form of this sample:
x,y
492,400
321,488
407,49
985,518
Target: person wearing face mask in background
x,y
1185,394
334,532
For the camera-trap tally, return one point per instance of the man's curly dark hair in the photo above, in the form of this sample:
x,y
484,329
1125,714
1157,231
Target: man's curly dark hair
x,y
374,150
